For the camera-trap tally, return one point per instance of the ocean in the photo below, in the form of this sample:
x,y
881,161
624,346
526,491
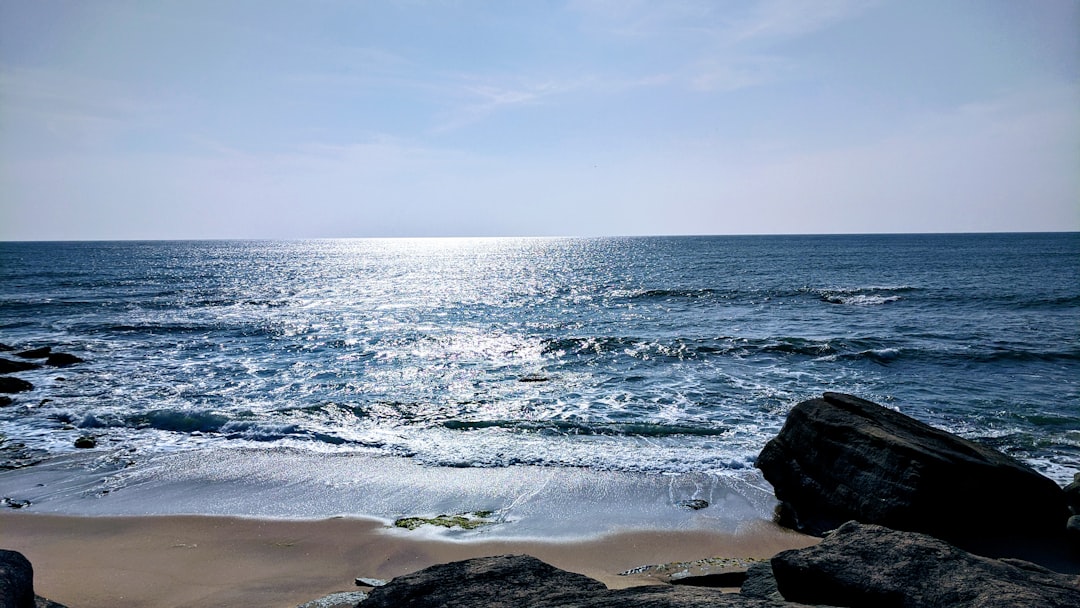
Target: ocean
x,y
457,368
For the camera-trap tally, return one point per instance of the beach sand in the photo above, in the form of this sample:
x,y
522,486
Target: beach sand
x,y
174,561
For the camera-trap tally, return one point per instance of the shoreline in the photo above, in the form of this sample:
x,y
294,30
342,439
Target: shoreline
x,y
200,560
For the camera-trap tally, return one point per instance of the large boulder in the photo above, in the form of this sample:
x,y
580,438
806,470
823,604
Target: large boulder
x,y
872,566
841,458
519,580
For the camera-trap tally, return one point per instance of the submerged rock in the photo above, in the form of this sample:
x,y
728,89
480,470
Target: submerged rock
x,y
842,458
465,521
14,385
35,353
85,442
7,366
873,566
62,359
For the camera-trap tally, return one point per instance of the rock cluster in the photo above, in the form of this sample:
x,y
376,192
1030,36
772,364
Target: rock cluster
x,y
10,384
858,565
16,455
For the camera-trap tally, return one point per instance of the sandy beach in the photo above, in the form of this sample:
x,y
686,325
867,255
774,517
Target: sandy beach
x,y
174,561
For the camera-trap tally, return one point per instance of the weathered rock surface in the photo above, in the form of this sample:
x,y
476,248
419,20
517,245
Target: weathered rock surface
x,y
512,581
843,458
345,599
865,565
7,366
14,385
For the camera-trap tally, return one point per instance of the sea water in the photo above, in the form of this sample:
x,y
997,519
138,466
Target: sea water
x,y
669,359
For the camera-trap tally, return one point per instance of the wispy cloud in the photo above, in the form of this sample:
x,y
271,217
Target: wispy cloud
x,y
481,99
727,46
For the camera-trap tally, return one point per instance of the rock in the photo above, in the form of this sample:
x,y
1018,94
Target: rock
x,y
13,503
533,378
519,580
7,366
1072,531
346,599
35,353
17,583
731,578
14,385
86,441
1072,495
62,359
761,583
16,580
5,348
369,582
5,401
842,458
694,504
865,565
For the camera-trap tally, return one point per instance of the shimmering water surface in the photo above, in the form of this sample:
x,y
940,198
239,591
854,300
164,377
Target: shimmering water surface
x,y
657,355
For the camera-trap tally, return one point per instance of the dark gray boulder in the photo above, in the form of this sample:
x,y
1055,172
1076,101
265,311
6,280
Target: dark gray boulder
x,y
863,565
16,580
841,458
7,366
14,385
5,401
35,353
519,580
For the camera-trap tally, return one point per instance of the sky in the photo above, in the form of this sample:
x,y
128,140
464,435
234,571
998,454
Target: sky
x,y
332,118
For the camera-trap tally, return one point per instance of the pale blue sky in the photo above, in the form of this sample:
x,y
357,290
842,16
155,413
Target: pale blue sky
x,y
251,119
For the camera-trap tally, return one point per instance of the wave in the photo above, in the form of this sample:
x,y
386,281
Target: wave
x,y
564,427
694,348
863,296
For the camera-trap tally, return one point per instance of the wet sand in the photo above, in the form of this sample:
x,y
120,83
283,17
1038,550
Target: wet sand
x,y
175,561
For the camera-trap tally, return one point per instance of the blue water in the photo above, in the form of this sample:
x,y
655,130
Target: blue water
x,y
658,355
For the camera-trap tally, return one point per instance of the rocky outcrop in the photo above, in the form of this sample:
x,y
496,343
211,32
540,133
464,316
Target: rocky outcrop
x,y
17,583
511,581
856,566
841,458
872,566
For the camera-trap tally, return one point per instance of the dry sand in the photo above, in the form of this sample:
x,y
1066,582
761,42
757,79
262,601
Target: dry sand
x,y
173,561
